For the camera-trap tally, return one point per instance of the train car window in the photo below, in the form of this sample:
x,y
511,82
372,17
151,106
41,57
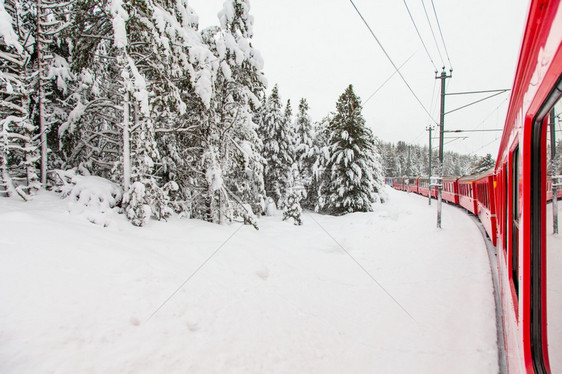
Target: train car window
x,y
546,245
515,213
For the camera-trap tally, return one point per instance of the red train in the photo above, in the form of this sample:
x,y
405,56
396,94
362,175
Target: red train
x,y
514,201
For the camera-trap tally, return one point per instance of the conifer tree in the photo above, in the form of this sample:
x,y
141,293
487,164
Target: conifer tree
x,y
233,167
132,60
277,153
18,142
314,199
483,164
353,168
305,152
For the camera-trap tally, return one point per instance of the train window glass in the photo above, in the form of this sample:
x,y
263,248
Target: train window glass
x,y
554,241
515,212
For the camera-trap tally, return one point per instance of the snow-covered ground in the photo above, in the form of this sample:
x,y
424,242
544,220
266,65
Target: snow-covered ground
x,y
382,292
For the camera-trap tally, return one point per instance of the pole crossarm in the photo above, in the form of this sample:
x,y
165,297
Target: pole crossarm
x,y
475,102
483,130
452,137
502,90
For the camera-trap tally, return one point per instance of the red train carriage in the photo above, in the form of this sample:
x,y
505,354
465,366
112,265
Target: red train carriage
x,y
424,185
450,191
398,183
549,183
530,282
413,184
486,204
466,193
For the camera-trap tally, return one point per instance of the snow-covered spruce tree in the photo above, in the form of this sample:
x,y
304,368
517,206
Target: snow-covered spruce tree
x,y
482,164
244,175
18,143
305,150
53,72
231,163
353,167
293,208
289,124
277,149
314,199
123,59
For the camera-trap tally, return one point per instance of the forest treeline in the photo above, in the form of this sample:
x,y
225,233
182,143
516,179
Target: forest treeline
x,y
402,159
175,116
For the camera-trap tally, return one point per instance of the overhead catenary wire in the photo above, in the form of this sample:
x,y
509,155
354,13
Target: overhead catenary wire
x,y
441,33
391,61
433,34
387,79
433,105
419,35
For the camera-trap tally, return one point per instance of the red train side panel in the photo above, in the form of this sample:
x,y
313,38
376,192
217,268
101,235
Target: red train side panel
x,y
450,190
486,205
466,194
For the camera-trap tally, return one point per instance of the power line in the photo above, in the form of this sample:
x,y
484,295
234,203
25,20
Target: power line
x,y
441,33
476,102
194,273
388,79
392,62
433,105
433,34
419,35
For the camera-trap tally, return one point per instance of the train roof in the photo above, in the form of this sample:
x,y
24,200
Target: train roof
x,y
474,177
538,46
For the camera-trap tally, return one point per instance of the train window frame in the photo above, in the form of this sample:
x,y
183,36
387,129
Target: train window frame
x,y
515,191
539,345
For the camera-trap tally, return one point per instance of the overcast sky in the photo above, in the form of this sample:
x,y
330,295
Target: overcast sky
x,y
315,49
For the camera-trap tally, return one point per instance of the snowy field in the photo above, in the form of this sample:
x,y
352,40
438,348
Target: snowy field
x,y
382,292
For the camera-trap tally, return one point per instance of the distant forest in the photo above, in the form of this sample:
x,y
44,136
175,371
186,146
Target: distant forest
x,y
402,159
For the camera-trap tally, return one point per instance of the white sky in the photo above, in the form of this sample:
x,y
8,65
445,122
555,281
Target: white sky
x,y
314,49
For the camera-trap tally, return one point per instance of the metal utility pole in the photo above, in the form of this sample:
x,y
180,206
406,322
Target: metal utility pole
x,y
429,128
556,179
442,77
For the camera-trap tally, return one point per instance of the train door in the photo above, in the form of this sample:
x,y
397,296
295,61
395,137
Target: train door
x,y
546,245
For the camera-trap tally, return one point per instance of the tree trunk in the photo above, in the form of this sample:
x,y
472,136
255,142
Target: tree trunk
x,y
41,45
126,143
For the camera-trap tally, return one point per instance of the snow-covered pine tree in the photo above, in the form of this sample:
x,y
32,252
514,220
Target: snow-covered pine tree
x,y
293,208
314,199
123,57
276,137
18,144
230,182
305,152
353,167
242,97
289,124
482,164
52,71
